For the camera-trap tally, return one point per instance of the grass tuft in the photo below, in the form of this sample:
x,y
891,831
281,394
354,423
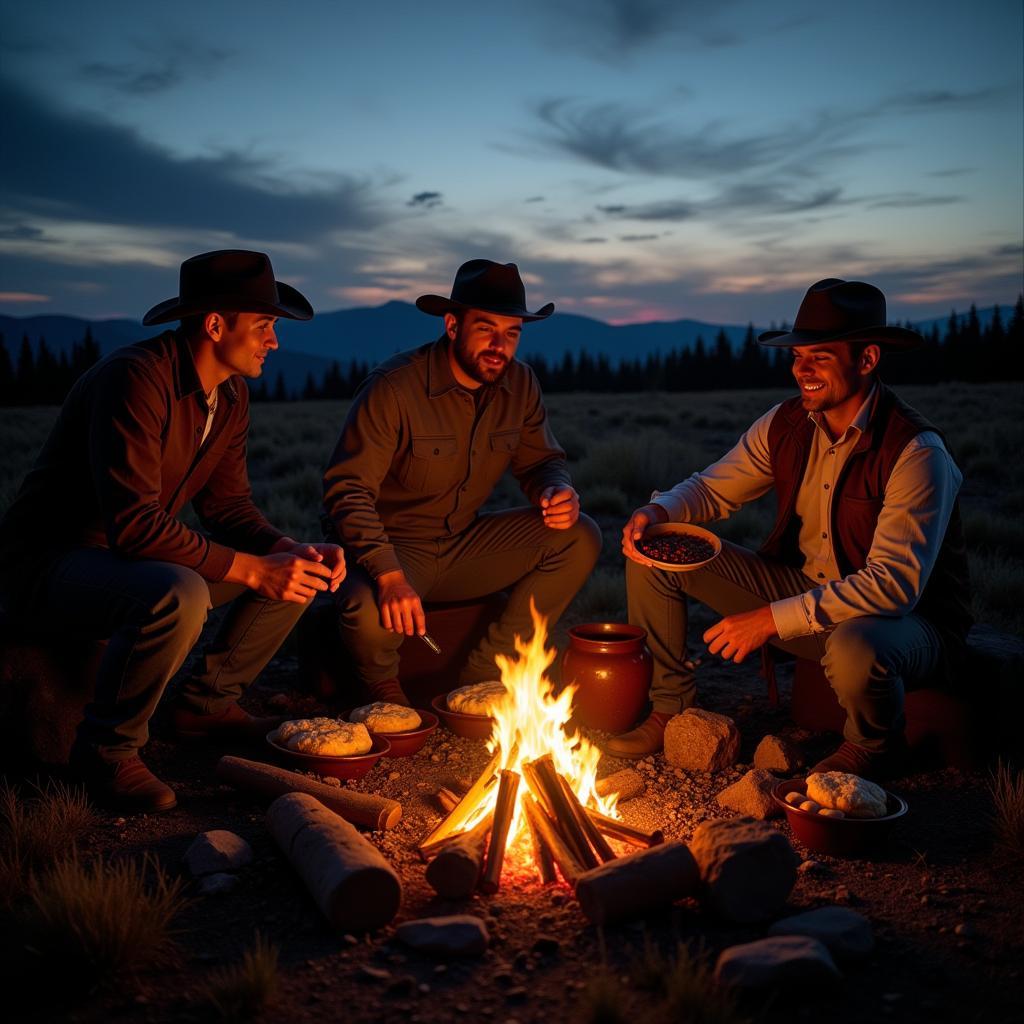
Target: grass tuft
x,y
242,992
691,993
1007,788
603,1000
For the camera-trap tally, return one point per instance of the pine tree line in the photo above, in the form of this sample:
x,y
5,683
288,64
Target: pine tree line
x,y
39,377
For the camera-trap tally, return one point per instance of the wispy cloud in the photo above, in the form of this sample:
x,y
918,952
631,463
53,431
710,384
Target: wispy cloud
x,y
426,200
165,63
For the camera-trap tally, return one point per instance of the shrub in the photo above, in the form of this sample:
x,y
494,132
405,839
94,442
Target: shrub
x,y
1007,788
241,992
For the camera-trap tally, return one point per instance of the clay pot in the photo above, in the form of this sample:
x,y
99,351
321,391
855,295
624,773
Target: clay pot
x,y
611,666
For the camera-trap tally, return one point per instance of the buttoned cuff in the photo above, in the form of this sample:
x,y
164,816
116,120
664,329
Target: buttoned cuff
x,y
791,618
381,561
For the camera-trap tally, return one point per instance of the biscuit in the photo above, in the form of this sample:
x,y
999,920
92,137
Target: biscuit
x,y
477,698
855,796
345,739
384,717
286,730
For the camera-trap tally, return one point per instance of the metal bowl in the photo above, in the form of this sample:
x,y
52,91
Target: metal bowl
x,y
409,741
472,727
686,529
353,766
839,837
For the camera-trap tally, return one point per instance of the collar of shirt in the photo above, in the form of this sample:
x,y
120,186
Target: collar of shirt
x,y
860,421
440,379
186,376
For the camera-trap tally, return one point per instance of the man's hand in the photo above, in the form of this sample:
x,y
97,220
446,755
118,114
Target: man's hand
x,y
735,636
560,507
634,530
330,555
401,609
282,576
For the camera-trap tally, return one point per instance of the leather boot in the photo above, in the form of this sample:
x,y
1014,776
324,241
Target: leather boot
x,y
389,691
126,785
647,738
875,765
230,723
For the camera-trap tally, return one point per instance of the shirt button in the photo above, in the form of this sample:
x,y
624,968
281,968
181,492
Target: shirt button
x,y
437,451
831,451
824,536
826,487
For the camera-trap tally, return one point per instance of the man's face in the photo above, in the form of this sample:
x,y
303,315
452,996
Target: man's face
x,y
483,344
243,348
829,375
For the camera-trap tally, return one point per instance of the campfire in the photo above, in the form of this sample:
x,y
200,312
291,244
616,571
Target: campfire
x,y
538,800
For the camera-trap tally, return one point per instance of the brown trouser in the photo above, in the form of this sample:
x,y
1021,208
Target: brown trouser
x,y
511,550
869,660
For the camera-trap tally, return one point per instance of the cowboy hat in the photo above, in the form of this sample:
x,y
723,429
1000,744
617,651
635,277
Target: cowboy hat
x,y
492,287
230,281
835,310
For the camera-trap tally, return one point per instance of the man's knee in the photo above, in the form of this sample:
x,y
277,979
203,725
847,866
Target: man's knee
x,y
175,594
585,542
356,603
857,654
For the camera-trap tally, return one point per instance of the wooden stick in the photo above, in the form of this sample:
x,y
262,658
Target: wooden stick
x,y
541,854
626,783
504,811
448,799
604,852
460,814
455,871
569,867
615,829
376,812
554,795
478,831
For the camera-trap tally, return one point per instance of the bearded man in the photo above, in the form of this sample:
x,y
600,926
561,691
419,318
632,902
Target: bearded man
x,y
429,434
865,569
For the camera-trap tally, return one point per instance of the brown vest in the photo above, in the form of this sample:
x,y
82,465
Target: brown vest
x,y
857,502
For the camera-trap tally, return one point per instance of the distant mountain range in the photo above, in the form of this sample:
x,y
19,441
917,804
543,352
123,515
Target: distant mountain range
x,y
372,334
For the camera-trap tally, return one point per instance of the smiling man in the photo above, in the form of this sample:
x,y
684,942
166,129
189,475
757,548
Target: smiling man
x,y
93,543
865,567
428,436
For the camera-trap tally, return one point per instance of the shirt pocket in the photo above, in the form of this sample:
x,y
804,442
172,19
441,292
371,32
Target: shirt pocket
x,y
504,442
432,458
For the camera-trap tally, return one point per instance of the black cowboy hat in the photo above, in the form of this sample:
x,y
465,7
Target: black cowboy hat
x,y
835,310
230,281
492,287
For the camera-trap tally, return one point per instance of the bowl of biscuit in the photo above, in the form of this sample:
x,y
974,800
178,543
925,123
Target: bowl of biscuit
x,y
406,729
466,711
838,813
328,746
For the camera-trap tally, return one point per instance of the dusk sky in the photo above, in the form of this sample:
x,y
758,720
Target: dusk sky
x,y
639,160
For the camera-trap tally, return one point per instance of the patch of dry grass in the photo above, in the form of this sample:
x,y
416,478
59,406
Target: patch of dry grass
x,y
1007,788
603,1000
243,991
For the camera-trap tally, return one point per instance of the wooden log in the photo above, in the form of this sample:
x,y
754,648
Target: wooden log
x,y
615,829
638,883
597,841
478,831
455,871
376,812
353,885
461,813
626,783
541,854
448,799
504,811
568,866
559,808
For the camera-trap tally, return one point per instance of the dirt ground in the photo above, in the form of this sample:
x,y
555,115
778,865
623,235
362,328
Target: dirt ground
x,y
948,916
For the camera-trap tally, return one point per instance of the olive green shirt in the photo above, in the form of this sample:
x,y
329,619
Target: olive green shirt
x,y
419,454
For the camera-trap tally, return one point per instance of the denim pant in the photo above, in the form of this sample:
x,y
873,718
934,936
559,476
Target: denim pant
x,y
511,550
869,661
153,613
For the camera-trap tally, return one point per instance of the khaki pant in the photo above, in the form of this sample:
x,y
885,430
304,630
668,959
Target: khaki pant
x,y
869,661
511,550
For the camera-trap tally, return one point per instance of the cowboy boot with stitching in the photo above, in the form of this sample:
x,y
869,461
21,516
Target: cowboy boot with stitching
x,y
232,722
876,765
647,738
388,690
125,785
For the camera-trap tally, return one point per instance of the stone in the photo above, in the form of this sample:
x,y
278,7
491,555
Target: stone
x,y
747,868
777,963
217,851
457,935
217,884
846,933
699,740
752,795
776,754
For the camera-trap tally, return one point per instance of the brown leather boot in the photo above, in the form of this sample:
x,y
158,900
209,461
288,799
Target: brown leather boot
x,y
389,690
126,785
230,723
876,765
647,738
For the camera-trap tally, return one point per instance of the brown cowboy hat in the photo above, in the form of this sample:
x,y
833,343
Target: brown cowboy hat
x,y
230,281
492,287
835,310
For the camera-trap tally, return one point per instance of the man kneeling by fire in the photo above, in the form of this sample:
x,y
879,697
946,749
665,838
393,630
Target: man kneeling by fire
x,y
865,568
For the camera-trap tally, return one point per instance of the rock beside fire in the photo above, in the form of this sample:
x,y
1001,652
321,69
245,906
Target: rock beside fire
x,y
777,754
747,868
780,962
701,741
752,795
217,851
457,935
846,933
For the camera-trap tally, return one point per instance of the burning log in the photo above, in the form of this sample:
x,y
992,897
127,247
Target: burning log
x,y
455,871
626,784
462,811
590,831
352,884
615,829
569,867
376,812
543,780
541,854
643,881
504,811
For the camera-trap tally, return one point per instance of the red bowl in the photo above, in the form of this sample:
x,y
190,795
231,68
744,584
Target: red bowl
x,y
840,837
354,766
472,727
406,743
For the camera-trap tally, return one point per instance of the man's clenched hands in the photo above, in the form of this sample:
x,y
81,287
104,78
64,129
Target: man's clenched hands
x,y
560,507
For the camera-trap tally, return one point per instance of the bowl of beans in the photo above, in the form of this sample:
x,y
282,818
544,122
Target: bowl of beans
x,y
678,547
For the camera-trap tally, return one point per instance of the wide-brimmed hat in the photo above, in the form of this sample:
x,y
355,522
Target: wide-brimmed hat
x,y
230,281
835,310
482,284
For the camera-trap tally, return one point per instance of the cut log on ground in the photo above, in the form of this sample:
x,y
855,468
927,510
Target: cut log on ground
x,y
376,812
615,829
352,884
633,885
455,871
626,784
